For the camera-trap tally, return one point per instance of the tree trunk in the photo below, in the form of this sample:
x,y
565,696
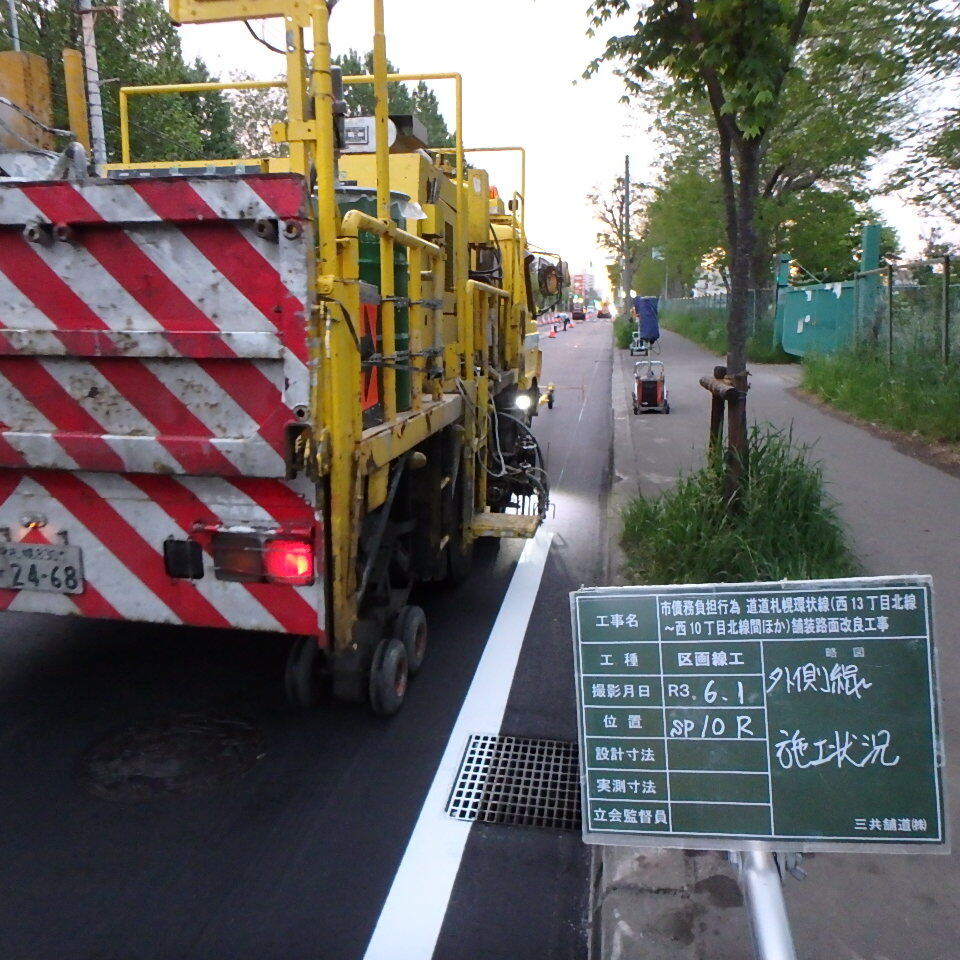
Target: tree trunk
x,y
741,264
741,260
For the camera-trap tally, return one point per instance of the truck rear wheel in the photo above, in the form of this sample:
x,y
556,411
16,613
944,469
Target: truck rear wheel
x,y
412,631
389,675
459,558
459,551
302,675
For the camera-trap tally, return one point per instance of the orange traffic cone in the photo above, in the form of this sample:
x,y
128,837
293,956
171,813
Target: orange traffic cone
x,y
553,334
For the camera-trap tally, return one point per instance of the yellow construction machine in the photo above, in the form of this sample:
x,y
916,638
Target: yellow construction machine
x,y
311,388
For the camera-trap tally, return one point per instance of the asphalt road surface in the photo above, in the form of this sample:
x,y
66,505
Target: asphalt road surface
x,y
294,848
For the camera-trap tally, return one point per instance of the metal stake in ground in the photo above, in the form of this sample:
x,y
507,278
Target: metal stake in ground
x,y
763,893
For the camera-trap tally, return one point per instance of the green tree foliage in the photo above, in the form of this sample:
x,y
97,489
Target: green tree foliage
x,y
934,248
426,107
821,230
818,227
421,102
931,170
212,114
142,48
733,55
809,118
685,229
842,106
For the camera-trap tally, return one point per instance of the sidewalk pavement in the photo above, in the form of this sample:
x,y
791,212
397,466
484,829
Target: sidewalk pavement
x,y
902,516
653,904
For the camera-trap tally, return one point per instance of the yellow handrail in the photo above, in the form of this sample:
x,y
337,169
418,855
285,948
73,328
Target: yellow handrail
x,y
127,92
356,220
460,225
477,286
523,168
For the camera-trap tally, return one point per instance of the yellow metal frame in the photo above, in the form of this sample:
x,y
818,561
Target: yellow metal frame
x,y
383,183
76,96
523,169
517,217
127,92
222,11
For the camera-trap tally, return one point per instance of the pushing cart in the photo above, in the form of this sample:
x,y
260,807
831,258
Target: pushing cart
x,y
650,387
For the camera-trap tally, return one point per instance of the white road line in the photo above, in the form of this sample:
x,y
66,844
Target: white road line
x,y
410,921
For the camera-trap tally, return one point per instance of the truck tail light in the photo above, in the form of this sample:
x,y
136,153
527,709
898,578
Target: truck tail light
x,y
267,557
288,561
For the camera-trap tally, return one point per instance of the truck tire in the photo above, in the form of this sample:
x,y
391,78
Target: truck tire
x,y
459,559
412,631
459,554
301,676
349,671
388,677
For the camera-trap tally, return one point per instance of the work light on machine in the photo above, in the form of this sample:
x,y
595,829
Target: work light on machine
x,y
523,402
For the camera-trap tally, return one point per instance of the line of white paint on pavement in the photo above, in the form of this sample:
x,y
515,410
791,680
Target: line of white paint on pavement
x,y
410,921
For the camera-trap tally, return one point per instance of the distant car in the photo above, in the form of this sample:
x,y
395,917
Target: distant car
x,y
603,314
578,314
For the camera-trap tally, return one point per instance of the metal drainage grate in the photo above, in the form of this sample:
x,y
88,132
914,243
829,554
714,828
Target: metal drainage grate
x,y
518,780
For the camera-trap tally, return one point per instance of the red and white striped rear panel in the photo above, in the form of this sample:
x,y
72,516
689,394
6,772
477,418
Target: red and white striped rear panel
x,y
120,524
164,335
152,353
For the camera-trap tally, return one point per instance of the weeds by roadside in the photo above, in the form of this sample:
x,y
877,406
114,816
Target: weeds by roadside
x,y
708,329
919,395
786,528
623,332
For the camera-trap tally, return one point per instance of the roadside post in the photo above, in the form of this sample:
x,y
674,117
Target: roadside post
x,y
761,719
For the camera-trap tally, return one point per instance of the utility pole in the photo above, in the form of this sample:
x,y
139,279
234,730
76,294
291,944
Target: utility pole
x,y
14,26
98,140
625,281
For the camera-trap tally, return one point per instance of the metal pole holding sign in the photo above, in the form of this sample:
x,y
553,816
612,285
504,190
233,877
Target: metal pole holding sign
x,y
763,893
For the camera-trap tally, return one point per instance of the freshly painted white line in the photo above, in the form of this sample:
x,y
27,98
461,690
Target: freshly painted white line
x,y
410,921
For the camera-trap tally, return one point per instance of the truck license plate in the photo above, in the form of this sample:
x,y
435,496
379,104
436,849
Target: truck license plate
x,y
40,566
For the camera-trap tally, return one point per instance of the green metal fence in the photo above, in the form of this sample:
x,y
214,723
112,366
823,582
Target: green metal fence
x,y
712,309
906,307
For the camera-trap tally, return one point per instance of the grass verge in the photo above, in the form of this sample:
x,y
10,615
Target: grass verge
x,y
623,329
918,395
708,328
786,529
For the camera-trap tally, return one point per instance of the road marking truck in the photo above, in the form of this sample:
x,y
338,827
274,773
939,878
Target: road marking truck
x,y
266,393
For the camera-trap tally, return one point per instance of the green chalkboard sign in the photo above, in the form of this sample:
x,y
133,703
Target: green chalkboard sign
x,y
803,714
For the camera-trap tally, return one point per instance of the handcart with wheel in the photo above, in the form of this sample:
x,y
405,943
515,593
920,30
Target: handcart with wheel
x,y
650,387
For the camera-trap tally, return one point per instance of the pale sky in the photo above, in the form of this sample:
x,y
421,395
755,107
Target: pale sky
x,y
521,61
